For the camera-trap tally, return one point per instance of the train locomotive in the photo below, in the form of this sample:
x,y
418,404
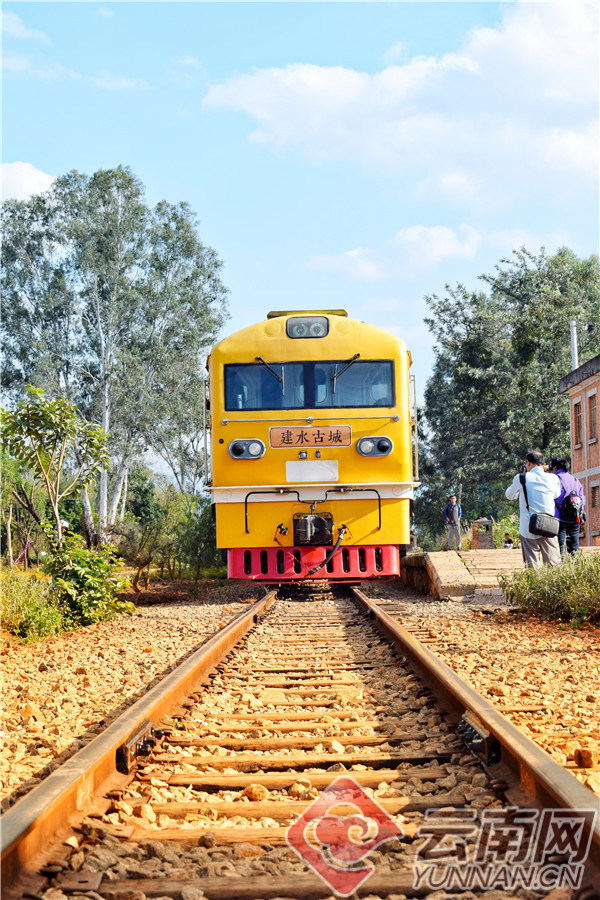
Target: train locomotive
x,y
312,432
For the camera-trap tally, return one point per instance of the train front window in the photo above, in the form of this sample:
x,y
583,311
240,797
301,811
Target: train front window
x,y
323,384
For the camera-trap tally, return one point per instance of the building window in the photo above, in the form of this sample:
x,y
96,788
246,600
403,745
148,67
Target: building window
x,y
596,496
577,423
593,433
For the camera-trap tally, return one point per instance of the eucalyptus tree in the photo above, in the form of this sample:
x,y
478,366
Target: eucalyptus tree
x,y
112,305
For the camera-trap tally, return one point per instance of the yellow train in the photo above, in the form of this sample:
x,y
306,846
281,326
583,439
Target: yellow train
x,y
311,436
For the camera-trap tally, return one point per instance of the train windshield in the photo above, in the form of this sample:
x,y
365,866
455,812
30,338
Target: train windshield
x,y
334,384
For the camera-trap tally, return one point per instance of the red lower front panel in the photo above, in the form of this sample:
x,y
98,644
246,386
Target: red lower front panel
x,y
294,563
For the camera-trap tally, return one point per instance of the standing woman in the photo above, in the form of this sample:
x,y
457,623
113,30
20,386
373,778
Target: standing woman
x,y
569,506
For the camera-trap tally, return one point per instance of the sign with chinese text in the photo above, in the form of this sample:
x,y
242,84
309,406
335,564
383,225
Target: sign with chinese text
x,y
311,436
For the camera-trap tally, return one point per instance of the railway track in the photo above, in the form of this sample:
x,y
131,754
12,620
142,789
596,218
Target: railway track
x,y
239,772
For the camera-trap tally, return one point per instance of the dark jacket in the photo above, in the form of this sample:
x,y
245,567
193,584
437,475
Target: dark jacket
x,y
454,513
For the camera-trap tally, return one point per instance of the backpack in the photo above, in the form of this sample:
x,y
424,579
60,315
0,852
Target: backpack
x,y
570,508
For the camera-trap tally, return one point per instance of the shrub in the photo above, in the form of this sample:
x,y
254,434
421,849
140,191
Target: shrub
x,y
28,609
508,524
85,582
570,591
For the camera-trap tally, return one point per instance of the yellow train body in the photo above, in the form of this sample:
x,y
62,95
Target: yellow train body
x,y
311,448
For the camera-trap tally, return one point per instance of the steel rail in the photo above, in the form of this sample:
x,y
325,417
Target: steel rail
x,y
541,777
37,820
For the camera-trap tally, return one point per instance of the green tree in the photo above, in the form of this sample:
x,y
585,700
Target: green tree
x,y
494,393
23,501
198,536
122,302
45,435
149,533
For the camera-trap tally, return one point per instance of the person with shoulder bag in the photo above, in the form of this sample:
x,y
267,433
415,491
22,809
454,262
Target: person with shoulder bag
x,y
569,506
536,491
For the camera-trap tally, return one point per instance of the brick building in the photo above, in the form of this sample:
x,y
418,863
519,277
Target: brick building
x,y
583,387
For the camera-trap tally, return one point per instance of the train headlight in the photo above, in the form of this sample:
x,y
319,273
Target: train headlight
x,y
250,449
307,327
374,446
256,448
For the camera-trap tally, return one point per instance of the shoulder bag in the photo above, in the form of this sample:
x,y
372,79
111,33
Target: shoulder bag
x,y
540,524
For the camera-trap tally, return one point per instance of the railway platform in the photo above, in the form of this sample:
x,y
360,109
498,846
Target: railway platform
x,y
451,574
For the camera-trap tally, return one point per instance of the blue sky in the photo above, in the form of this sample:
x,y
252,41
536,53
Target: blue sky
x,y
355,155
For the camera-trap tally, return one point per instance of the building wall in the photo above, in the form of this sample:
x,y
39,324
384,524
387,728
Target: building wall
x,y
585,450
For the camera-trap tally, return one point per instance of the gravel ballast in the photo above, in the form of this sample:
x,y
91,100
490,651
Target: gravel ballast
x,y
59,694
516,659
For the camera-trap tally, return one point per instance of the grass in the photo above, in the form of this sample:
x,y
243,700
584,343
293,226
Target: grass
x,y
28,608
570,592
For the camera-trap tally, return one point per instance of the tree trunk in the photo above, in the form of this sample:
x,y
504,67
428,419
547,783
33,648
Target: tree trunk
x,y
103,496
123,497
8,524
90,529
114,503
26,502
140,568
136,578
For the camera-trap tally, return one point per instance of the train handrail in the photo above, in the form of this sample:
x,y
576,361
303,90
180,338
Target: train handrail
x,y
274,491
414,426
344,490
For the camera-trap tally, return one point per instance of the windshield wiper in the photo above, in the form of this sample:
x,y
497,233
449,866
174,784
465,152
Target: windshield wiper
x,y
272,371
337,374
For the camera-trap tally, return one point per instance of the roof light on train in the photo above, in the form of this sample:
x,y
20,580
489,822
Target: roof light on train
x,y
307,327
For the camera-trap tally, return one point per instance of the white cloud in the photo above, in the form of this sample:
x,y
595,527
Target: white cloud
x,y
431,245
13,26
454,185
512,110
16,64
420,248
191,62
547,50
21,179
22,65
411,250
358,264
396,51
183,70
105,12
109,82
